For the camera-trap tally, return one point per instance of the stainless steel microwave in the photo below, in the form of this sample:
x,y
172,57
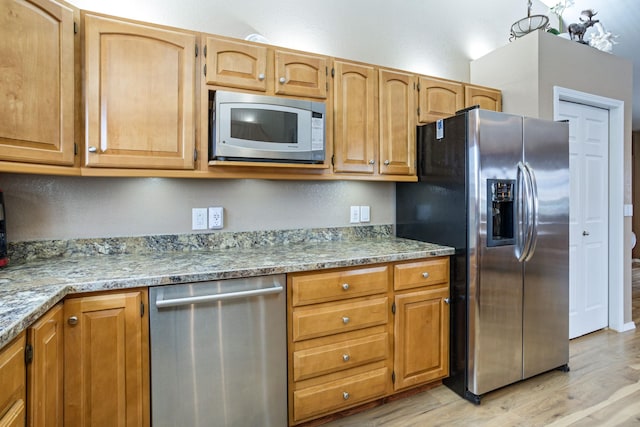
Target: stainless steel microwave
x,y
247,127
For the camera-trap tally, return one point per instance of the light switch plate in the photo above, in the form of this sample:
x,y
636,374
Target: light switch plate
x,y
355,214
199,218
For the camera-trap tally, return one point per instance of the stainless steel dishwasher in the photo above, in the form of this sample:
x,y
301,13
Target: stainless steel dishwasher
x,y
219,353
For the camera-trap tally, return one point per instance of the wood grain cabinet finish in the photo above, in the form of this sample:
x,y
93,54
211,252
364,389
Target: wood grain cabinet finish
x,y
438,98
355,115
13,383
397,123
300,74
486,98
106,345
339,339
45,372
140,95
433,271
37,82
421,329
236,64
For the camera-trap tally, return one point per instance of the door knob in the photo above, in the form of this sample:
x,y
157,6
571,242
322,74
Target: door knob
x,y
585,233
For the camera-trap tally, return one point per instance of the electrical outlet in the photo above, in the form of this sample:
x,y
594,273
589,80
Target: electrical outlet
x,y
355,214
365,212
199,218
216,218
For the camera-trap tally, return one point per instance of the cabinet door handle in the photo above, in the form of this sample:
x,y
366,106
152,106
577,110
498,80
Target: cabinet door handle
x,y
93,149
425,275
345,320
345,395
387,162
261,76
283,80
345,286
73,320
447,301
346,357
371,162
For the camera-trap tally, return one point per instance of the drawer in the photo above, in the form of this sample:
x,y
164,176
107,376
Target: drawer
x,y
335,285
326,359
335,395
421,273
331,319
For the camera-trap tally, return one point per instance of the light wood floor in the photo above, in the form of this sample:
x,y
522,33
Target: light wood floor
x,y
602,389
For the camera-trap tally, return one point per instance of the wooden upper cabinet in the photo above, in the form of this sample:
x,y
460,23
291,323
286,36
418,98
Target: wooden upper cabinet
x,y
397,123
486,98
438,98
355,118
106,353
36,82
300,74
235,64
140,95
45,372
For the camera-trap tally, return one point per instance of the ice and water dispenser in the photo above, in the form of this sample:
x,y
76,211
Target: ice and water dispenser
x,y
500,212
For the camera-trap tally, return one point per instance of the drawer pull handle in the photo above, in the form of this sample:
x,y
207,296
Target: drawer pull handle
x,y
346,357
447,301
345,286
425,275
282,80
345,320
73,320
345,395
261,76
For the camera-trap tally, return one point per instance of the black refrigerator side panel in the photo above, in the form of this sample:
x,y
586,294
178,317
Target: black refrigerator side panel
x,y
434,209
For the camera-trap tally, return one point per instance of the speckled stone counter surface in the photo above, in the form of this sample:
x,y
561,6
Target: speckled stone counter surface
x,y
28,288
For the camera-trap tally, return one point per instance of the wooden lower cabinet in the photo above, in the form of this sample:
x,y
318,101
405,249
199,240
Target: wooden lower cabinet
x,y
13,383
45,370
106,372
346,345
421,329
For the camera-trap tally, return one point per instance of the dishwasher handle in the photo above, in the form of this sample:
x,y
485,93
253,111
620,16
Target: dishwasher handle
x,y
163,303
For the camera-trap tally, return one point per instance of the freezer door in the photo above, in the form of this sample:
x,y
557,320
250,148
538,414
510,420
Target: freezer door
x,y
546,280
495,275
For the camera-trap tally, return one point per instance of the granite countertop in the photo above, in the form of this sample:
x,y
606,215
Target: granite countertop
x,y
29,289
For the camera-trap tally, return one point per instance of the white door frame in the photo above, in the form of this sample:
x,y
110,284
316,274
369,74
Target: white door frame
x,y
616,194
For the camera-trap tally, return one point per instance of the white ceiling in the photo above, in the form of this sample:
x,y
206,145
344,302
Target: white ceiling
x,y
622,18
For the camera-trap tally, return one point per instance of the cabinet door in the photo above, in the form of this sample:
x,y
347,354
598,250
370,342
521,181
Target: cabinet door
x,y
236,64
300,74
421,352
12,384
106,370
36,82
397,123
355,118
438,99
140,95
486,98
45,372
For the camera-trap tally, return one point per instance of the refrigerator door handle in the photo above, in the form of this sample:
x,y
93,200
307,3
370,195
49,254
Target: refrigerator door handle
x,y
533,236
523,212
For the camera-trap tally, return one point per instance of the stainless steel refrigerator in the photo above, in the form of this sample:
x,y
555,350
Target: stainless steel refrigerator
x,y
496,188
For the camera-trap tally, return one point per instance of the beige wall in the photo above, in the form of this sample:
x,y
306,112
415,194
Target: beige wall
x,y
528,69
45,207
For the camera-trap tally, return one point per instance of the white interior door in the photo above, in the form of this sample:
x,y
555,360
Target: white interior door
x,y
588,217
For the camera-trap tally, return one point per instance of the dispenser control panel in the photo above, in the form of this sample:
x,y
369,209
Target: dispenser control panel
x,y
500,212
